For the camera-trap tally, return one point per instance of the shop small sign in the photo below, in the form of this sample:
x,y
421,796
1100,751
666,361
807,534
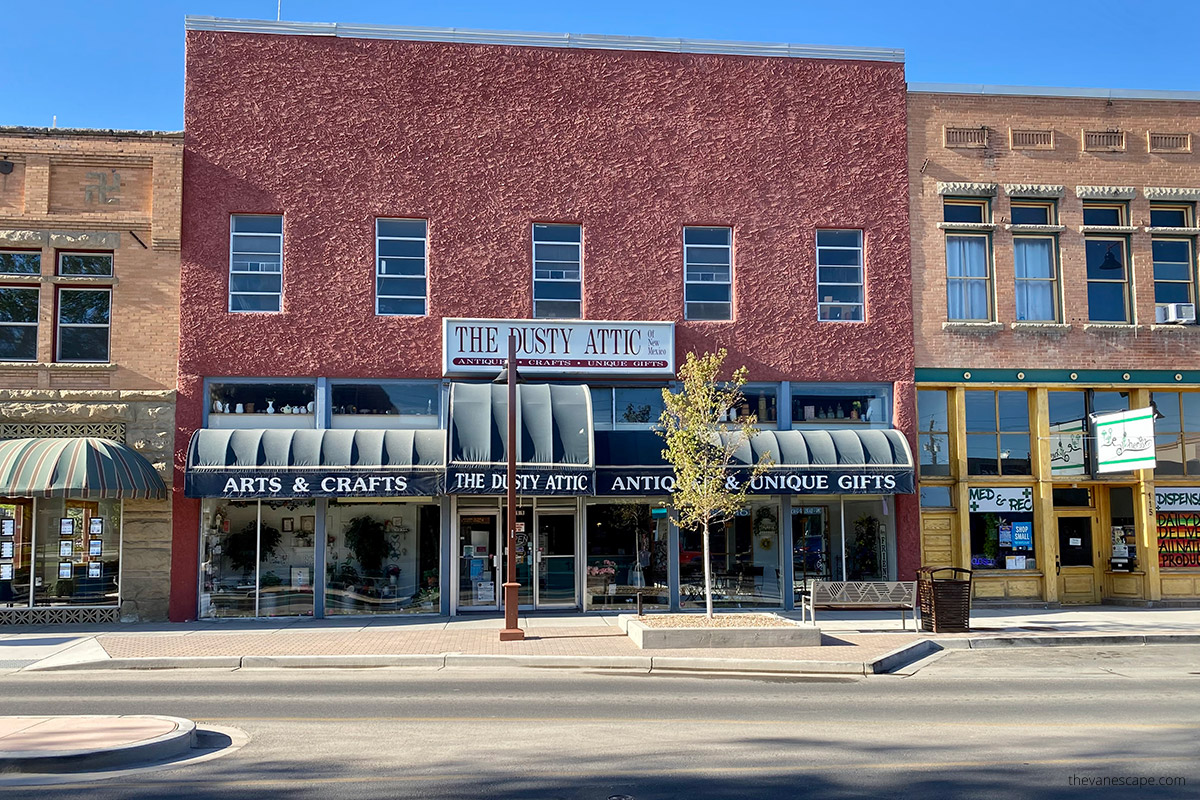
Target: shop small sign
x,y
552,347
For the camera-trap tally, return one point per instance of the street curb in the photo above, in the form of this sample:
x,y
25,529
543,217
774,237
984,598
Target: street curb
x,y
342,662
902,656
693,664
549,662
169,745
156,662
1079,640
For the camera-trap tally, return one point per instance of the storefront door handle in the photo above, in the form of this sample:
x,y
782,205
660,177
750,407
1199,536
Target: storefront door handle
x,y
1057,566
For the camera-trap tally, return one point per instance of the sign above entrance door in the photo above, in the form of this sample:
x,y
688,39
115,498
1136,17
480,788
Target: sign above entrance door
x,y
559,347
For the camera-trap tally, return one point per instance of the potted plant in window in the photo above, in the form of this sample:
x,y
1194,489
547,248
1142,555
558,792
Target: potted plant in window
x,y
240,545
367,538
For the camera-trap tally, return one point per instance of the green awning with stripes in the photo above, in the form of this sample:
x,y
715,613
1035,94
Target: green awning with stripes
x,y
80,468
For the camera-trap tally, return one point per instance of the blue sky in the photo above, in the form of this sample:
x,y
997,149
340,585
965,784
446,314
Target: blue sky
x,y
119,63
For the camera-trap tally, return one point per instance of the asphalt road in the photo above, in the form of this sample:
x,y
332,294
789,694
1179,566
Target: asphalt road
x,y
985,724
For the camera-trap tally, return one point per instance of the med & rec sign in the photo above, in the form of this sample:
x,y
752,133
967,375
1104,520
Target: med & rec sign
x,y
557,347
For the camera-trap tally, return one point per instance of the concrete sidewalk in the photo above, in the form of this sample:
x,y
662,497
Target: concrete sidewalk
x,y
854,643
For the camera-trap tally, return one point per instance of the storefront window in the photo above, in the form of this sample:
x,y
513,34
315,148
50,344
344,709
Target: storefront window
x,y
78,551
933,423
257,557
626,555
387,404
382,558
261,405
1068,442
867,556
997,433
626,407
936,497
760,399
812,553
16,528
824,404
1001,521
746,561
1177,433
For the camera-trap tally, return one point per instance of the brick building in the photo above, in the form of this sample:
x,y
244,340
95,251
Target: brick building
x,y
89,292
369,210
1054,277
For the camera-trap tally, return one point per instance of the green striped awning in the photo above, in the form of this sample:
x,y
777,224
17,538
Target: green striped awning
x,y
81,468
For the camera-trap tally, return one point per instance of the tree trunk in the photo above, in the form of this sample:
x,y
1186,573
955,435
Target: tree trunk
x,y
708,603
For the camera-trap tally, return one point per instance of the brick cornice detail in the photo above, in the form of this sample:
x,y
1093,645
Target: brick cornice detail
x,y
1105,192
1033,190
967,189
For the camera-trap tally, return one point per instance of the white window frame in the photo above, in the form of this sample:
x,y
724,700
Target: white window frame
x,y
14,252
379,274
232,271
64,253
36,317
861,305
1052,280
988,277
59,325
700,268
534,242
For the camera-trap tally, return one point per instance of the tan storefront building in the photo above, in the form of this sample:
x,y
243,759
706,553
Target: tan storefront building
x,y
1054,278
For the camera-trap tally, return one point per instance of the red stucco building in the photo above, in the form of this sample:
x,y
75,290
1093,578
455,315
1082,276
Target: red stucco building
x,y
357,198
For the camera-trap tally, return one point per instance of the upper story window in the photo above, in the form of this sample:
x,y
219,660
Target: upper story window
x,y
1028,212
20,262
1035,266
761,400
19,322
1174,215
933,425
1110,214
256,262
86,264
1173,270
557,271
84,317
997,426
840,275
400,268
966,211
708,273
386,404
1107,279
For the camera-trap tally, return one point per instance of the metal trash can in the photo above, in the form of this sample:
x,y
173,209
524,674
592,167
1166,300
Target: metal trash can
x,y
944,599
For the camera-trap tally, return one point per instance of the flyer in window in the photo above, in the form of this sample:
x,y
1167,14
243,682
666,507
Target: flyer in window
x,y
6,549
96,526
66,526
8,526
94,569
65,548
95,547
1006,535
64,569
6,572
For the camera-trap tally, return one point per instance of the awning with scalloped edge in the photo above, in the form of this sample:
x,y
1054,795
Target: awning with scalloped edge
x,y
79,467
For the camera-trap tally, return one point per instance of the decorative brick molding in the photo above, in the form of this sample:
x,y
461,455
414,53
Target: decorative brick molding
x,y
1171,193
967,226
90,240
1112,327
1041,328
1169,142
955,137
1104,141
973,328
1173,231
1035,228
22,238
1108,229
965,189
98,430
59,616
1106,192
1034,190
1031,139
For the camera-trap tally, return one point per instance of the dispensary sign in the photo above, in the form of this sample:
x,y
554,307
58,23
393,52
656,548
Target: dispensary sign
x,y
559,347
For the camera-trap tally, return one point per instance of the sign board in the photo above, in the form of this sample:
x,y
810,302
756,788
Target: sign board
x,y
559,480
1066,449
776,481
993,499
559,347
1177,520
249,484
1124,440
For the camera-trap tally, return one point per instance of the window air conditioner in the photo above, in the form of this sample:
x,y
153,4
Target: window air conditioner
x,y
1175,313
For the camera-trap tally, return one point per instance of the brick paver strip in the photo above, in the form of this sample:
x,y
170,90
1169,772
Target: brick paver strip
x,y
565,641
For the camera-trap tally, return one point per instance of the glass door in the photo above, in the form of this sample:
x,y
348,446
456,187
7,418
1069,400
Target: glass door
x,y
478,562
556,560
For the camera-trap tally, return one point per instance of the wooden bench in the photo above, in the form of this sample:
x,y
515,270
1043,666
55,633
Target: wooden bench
x,y
859,594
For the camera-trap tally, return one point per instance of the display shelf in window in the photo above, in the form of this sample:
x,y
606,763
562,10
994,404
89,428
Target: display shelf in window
x,y
386,404
262,405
